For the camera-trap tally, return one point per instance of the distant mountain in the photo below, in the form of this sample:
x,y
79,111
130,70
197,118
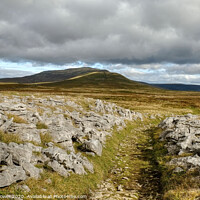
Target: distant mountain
x,y
178,87
99,79
52,76
79,78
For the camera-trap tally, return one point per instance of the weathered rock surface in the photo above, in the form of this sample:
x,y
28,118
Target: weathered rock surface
x,y
63,123
93,146
182,135
11,175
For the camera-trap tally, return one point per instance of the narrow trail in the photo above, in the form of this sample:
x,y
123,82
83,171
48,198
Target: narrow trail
x,y
136,174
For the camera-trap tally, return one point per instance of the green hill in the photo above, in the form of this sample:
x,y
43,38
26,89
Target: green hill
x,y
98,80
52,76
101,80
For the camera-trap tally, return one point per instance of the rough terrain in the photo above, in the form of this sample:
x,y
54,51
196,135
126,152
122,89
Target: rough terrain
x,y
60,132
181,134
48,129
135,175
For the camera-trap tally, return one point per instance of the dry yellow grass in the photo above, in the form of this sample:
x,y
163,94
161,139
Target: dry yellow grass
x,y
17,119
8,137
151,101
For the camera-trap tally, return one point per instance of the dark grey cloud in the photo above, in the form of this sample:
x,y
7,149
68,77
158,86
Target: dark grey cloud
x,y
109,31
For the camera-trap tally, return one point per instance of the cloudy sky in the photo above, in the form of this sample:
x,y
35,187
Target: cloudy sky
x,y
146,40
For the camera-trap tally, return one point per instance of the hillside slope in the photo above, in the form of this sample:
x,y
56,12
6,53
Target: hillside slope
x,y
99,80
52,76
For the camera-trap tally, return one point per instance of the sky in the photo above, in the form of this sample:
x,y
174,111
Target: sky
x,y
152,41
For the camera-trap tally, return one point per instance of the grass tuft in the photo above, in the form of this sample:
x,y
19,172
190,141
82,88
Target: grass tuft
x,y
45,138
41,125
8,137
17,119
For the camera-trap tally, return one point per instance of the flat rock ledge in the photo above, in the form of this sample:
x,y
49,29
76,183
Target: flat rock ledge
x,y
65,124
182,137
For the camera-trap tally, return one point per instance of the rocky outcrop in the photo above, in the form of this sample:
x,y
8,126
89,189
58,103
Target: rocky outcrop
x,y
93,146
50,129
16,163
11,174
182,136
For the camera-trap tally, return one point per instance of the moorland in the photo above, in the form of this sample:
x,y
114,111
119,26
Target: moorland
x,y
134,160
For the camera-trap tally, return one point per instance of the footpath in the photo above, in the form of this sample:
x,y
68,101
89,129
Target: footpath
x,y
136,173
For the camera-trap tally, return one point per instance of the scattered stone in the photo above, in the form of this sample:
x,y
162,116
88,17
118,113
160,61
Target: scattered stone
x,y
23,188
178,170
125,178
62,128
48,181
119,188
181,134
93,146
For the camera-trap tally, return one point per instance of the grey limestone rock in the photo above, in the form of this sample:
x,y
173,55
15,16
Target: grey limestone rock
x,y
19,152
181,134
186,162
31,170
67,122
23,188
6,124
58,168
93,146
11,175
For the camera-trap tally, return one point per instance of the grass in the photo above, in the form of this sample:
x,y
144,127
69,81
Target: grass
x,y
176,186
8,137
180,186
41,125
132,95
17,119
45,138
117,89
76,184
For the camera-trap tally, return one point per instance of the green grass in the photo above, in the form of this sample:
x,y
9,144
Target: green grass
x,y
77,184
99,80
136,96
176,186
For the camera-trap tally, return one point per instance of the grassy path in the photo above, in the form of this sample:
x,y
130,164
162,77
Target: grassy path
x,y
136,174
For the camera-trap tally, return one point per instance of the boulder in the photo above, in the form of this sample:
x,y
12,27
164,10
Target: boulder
x,y
20,153
78,168
12,175
31,170
27,132
85,162
58,168
181,134
93,146
23,188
